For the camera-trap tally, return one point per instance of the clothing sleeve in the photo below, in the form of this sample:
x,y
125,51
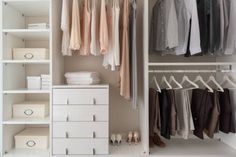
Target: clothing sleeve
x,y
195,41
103,32
172,27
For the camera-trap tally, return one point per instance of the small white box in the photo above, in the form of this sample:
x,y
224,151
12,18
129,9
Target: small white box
x,y
31,109
30,54
38,26
32,138
34,82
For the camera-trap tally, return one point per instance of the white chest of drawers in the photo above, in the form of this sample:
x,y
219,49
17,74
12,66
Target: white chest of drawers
x,y
80,120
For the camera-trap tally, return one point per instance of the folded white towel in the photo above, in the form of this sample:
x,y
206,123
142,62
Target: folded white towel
x,y
82,75
89,81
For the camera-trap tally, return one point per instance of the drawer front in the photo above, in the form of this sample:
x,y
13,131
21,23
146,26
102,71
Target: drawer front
x,y
30,111
81,113
80,146
80,96
80,129
29,142
30,54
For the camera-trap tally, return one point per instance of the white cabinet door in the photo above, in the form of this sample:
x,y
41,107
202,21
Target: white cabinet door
x,y
81,96
80,113
80,146
80,129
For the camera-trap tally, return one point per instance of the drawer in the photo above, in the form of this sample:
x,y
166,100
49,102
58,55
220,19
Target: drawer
x,y
31,110
81,96
32,138
80,146
80,113
80,129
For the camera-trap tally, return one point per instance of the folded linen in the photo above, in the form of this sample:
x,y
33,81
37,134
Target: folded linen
x,y
82,75
83,81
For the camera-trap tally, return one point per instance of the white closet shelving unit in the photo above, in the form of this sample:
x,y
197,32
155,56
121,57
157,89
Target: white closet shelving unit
x,y
224,145
14,20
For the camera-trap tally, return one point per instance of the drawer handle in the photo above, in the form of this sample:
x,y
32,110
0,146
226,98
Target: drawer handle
x,y
31,143
28,56
94,135
94,118
67,151
94,101
94,152
28,112
67,135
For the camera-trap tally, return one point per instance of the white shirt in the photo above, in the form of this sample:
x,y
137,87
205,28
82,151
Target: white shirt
x,y
65,27
186,11
112,58
231,39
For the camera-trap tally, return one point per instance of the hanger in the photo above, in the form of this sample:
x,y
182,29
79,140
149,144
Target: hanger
x,y
226,79
186,79
154,79
212,79
172,79
199,78
164,80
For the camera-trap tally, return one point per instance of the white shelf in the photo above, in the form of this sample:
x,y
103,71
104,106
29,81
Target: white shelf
x,y
126,150
29,34
30,7
26,61
27,153
193,147
28,121
26,91
81,86
191,63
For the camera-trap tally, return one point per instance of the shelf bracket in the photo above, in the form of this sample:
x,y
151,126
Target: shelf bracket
x,y
5,3
5,33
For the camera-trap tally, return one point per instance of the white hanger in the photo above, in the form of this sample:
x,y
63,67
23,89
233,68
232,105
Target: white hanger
x,y
199,78
212,79
226,79
164,80
172,79
186,79
156,83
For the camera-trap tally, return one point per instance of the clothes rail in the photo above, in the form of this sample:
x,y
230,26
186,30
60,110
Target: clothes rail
x,y
191,71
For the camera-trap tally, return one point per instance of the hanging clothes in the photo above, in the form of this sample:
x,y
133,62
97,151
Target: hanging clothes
x,y
212,123
75,38
164,26
86,29
203,7
154,111
94,45
125,66
65,27
103,29
226,116
224,24
184,115
112,58
173,114
231,36
233,103
186,12
133,52
165,112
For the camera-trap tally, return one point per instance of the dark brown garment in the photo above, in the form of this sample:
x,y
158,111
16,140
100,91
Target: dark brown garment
x,y
226,116
154,111
173,117
201,106
212,124
165,112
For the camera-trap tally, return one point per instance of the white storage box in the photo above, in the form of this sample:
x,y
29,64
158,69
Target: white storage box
x,y
30,54
34,82
32,138
38,26
33,109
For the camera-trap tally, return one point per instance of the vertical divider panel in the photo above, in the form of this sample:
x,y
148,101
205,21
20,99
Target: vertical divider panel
x,y
1,80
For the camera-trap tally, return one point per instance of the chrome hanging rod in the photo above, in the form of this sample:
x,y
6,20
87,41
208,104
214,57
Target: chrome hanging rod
x,y
191,71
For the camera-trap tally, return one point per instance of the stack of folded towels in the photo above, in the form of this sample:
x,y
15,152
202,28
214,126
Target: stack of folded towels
x,y
45,81
82,78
